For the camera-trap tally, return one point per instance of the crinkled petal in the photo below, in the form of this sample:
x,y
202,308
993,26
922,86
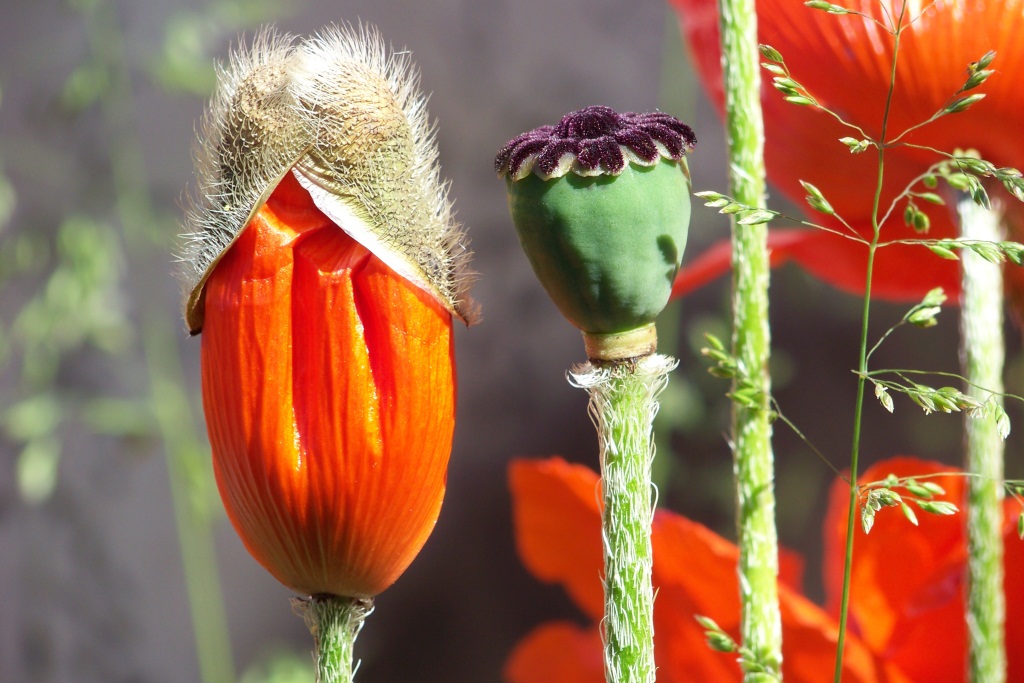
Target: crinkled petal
x,y
328,386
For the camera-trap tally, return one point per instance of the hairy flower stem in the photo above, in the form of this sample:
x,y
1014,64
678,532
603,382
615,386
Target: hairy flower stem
x,y
982,353
623,403
335,622
761,625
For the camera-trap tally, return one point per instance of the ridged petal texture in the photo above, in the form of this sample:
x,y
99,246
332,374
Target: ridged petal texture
x,y
329,391
844,62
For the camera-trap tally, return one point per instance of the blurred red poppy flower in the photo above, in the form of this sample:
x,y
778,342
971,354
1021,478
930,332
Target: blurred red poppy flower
x,y
329,391
558,533
907,588
844,61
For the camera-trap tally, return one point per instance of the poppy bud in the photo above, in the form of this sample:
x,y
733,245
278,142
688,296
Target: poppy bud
x,y
601,204
325,269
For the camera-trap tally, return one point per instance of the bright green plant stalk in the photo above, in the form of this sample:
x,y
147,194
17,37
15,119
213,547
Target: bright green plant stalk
x,y
862,365
335,623
862,359
187,463
623,403
982,352
761,626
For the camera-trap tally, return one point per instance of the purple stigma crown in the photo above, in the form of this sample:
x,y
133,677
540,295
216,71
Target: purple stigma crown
x,y
595,141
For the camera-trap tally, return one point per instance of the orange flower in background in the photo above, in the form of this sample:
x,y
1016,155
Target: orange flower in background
x,y
558,533
844,61
329,389
907,588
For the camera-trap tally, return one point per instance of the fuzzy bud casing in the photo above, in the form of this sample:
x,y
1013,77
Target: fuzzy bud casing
x,y
346,117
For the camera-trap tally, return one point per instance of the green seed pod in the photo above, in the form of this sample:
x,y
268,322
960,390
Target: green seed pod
x,y
601,203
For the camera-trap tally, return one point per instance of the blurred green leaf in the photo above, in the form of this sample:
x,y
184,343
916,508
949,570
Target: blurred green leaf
x,y
236,14
185,63
84,6
280,667
86,84
7,202
33,418
79,303
22,252
118,417
37,469
681,406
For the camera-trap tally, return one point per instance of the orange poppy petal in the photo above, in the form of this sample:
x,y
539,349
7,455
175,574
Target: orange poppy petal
x,y
556,512
409,337
557,521
329,390
694,574
801,143
557,652
844,62
901,272
906,579
248,300
809,641
1013,581
716,261
838,261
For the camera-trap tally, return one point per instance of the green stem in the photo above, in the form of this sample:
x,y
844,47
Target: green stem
x,y
858,413
187,462
623,403
335,623
982,352
761,626
862,358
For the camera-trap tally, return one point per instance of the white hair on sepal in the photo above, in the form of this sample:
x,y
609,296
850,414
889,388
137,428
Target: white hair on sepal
x,y
250,136
345,114
374,167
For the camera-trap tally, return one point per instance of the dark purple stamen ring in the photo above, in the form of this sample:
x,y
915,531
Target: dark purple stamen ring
x,y
594,141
